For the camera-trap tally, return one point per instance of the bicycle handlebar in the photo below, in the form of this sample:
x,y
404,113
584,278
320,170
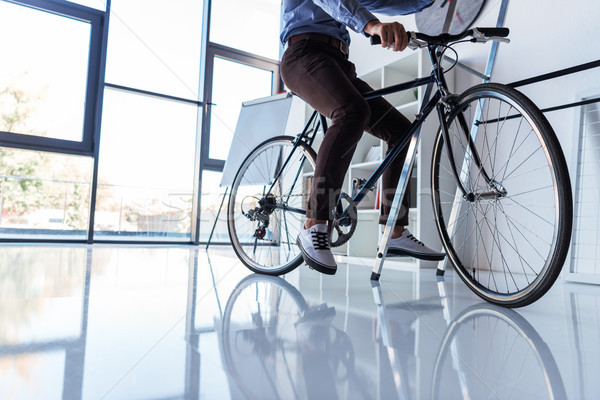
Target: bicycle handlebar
x,y
481,35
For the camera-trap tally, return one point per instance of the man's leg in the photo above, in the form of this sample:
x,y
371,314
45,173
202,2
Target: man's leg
x,y
320,78
390,125
318,73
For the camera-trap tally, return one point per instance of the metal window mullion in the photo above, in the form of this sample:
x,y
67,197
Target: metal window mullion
x,y
242,56
39,143
200,124
147,93
99,49
67,9
212,164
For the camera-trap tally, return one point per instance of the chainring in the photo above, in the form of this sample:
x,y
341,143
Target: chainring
x,y
342,232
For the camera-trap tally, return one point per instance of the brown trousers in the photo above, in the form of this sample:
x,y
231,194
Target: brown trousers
x,y
322,75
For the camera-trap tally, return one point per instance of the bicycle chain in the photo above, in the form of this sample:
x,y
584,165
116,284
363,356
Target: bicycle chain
x,y
343,238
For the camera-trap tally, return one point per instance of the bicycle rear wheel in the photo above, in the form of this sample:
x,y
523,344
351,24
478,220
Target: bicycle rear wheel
x,y
266,205
258,337
509,235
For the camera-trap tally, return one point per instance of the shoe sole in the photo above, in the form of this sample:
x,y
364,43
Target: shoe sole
x,y
314,264
420,256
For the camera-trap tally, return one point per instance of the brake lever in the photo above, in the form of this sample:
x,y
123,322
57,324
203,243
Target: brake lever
x,y
500,39
414,43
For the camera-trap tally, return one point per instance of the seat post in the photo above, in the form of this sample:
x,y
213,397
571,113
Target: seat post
x,y
396,205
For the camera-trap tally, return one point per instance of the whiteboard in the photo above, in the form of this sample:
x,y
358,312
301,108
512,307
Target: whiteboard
x,y
259,120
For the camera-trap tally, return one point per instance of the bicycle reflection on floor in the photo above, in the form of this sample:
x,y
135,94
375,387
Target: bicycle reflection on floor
x,y
275,346
487,352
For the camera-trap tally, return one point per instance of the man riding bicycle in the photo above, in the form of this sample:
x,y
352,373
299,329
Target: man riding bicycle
x,y
315,66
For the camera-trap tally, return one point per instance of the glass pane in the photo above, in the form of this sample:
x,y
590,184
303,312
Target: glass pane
x,y
155,47
259,20
44,73
44,195
210,200
233,83
146,168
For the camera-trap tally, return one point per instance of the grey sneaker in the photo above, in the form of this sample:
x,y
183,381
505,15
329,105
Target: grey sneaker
x,y
314,245
408,245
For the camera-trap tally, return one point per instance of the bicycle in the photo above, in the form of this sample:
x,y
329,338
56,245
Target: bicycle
x,y
500,186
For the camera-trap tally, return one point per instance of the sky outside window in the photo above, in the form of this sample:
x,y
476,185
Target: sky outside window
x,y
252,26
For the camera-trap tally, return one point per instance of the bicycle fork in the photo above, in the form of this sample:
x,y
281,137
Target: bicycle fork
x,y
471,156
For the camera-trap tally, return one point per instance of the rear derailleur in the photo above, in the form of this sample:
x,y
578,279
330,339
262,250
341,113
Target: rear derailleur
x,y
261,215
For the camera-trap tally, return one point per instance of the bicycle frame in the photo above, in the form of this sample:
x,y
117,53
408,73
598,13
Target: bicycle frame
x,y
438,101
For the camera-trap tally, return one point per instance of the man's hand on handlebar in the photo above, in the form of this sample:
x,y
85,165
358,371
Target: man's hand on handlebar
x,y
391,34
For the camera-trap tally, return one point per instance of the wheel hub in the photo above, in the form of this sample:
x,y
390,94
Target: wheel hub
x,y
495,192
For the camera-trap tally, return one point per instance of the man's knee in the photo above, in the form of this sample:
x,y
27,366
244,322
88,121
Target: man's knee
x,y
357,113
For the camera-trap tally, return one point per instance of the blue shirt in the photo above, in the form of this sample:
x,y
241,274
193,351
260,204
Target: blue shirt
x,y
331,17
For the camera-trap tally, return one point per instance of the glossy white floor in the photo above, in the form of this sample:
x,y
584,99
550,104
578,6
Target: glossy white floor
x,y
181,323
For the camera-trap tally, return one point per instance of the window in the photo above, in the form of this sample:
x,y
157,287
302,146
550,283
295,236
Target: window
x,y
233,83
104,134
146,171
43,87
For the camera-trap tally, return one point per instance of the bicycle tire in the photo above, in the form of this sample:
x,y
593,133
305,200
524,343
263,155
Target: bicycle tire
x,y
471,323
522,234
277,251
267,292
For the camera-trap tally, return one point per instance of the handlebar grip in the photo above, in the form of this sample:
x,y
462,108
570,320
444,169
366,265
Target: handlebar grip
x,y
375,39
494,32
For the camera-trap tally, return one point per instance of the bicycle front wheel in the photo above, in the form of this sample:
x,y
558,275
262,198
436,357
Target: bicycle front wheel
x,y
493,352
508,235
266,204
